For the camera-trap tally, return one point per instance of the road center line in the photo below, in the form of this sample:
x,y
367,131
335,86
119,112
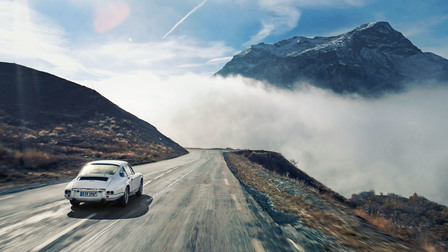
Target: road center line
x,y
226,182
237,205
169,171
60,234
149,182
161,175
174,182
151,173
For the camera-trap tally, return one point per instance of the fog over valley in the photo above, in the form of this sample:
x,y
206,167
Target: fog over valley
x,y
396,143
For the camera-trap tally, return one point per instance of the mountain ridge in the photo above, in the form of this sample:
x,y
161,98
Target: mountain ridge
x,y
370,60
49,126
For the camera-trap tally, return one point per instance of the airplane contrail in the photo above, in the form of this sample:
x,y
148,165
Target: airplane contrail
x,y
183,19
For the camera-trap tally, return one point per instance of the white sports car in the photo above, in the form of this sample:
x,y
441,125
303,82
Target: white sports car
x,y
105,180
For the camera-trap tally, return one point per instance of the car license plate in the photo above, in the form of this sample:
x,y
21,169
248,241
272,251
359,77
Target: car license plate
x,y
88,194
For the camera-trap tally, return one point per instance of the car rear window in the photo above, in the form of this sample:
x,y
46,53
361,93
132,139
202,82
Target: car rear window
x,y
105,169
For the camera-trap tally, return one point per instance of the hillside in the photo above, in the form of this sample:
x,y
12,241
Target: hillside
x,y
415,219
370,60
50,126
320,219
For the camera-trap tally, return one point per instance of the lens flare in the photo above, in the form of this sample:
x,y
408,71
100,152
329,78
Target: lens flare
x,y
109,15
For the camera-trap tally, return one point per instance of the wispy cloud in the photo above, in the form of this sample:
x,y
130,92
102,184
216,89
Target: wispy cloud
x,y
284,15
184,18
29,38
219,60
422,26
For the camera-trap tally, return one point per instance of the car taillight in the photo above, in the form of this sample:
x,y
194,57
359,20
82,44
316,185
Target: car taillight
x,y
110,192
67,192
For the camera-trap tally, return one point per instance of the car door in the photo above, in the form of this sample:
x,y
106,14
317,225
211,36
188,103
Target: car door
x,y
125,176
134,183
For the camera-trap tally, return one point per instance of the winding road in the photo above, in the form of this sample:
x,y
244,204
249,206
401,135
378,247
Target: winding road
x,y
190,203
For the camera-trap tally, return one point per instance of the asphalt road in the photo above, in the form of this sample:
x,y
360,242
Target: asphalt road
x,y
191,203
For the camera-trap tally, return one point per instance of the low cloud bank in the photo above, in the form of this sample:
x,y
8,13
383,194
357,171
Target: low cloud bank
x,y
398,143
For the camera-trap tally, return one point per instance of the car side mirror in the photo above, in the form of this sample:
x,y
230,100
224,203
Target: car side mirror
x,y
122,174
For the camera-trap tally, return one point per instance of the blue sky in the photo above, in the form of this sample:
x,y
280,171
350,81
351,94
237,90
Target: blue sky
x,y
90,33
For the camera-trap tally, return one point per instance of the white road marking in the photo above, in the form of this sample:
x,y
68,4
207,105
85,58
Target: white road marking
x,y
226,182
161,175
237,205
174,182
149,182
151,173
6,197
60,234
257,245
169,171
294,245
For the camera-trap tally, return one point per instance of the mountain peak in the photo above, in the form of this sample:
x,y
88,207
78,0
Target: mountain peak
x,y
380,26
370,60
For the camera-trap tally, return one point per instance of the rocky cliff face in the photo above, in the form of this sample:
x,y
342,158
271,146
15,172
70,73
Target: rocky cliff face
x,y
369,60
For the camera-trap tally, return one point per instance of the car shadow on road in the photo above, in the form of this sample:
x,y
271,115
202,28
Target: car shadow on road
x,y
137,206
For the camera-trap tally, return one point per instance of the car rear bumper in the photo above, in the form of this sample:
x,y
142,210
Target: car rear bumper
x,y
101,196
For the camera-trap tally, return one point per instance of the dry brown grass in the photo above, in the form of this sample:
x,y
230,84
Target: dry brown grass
x,y
35,155
33,158
378,221
329,217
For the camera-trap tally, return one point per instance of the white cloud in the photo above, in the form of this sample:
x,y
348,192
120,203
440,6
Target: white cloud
x,y
284,15
394,144
421,27
30,38
219,60
162,57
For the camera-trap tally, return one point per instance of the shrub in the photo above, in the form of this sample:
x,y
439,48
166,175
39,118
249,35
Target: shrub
x,y
36,159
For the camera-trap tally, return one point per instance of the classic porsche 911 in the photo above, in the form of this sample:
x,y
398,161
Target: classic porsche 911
x,y
105,180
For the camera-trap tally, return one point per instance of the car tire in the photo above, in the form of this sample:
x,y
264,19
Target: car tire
x,y
140,189
125,199
74,202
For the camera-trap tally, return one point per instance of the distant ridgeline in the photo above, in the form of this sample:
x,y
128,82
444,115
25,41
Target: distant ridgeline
x,y
370,60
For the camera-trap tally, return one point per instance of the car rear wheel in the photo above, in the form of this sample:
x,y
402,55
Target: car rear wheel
x,y
74,202
125,199
140,189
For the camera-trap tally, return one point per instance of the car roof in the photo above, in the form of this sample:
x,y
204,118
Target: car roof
x,y
113,162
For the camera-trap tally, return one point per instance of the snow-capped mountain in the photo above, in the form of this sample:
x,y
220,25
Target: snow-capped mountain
x,y
369,60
